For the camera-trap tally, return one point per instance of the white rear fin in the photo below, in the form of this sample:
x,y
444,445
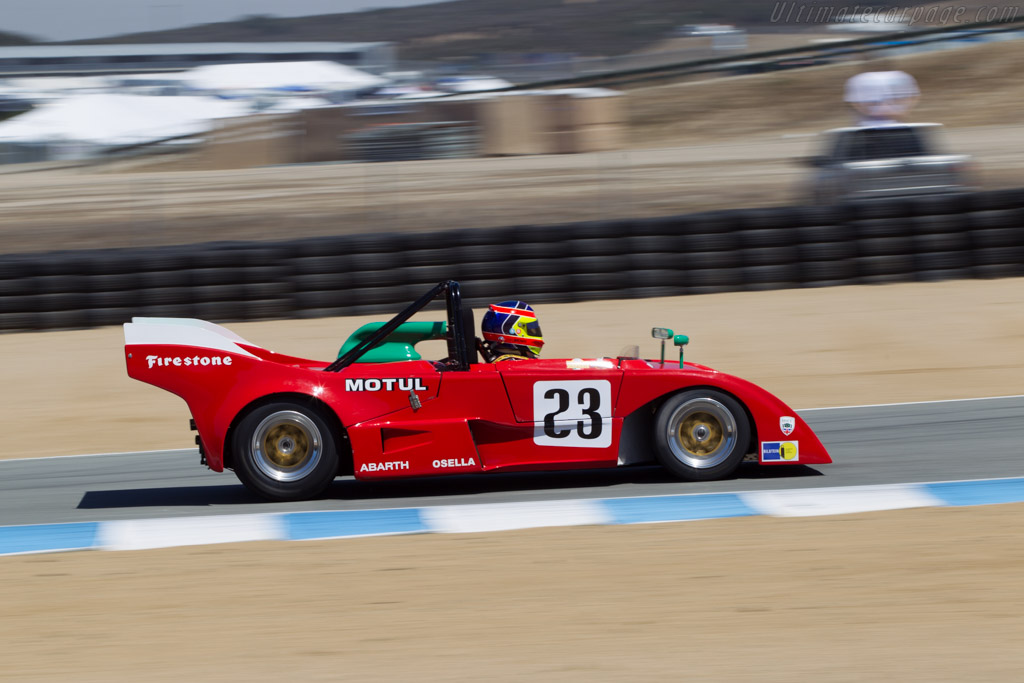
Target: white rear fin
x,y
184,332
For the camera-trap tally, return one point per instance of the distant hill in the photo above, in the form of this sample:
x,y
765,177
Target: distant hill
x,y
467,28
8,39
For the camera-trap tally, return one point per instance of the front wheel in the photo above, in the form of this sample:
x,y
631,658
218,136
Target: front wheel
x,y
701,435
285,451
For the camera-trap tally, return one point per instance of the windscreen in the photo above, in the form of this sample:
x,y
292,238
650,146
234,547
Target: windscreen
x,y
884,143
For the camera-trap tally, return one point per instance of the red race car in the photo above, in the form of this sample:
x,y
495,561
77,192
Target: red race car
x,y
288,426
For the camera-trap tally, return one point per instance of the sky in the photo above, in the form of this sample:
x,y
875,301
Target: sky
x,y
74,19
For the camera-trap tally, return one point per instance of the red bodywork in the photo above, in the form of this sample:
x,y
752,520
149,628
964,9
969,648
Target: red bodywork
x,y
489,417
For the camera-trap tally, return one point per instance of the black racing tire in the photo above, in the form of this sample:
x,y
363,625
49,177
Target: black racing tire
x,y
589,265
115,282
768,256
885,246
942,260
940,275
372,278
824,233
653,261
997,218
779,276
126,299
311,265
729,278
997,237
874,209
165,278
697,420
826,251
896,264
716,241
318,282
649,244
942,223
880,228
995,271
995,200
284,451
756,239
17,322
708,260
712,222
886,279
17,287
540,284
817,273
943,241
600,246
166,296
999,256
522,268
266,309
482,270
772,218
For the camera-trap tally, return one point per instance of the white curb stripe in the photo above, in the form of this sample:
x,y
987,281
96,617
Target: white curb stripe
x,y
912,403
839,501
463,519
144,534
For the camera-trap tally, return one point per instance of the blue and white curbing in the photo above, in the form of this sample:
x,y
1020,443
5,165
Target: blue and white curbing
x,y
141,534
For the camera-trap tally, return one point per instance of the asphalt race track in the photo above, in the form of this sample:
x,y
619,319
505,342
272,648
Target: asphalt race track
x,y
918,442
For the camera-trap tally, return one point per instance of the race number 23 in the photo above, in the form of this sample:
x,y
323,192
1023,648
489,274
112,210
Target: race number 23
x,y
575,414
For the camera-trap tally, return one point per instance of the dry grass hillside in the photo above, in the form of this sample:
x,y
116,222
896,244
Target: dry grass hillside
x,y
725,143
970,86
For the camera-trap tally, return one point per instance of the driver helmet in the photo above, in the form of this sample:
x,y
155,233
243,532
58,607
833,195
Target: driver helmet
x,y
511,328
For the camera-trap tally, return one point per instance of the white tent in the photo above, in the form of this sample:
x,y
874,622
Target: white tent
x,y
319,76
109,120
882,95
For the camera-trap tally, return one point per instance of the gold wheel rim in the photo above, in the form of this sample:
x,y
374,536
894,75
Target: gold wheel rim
x,y
701,434
286,445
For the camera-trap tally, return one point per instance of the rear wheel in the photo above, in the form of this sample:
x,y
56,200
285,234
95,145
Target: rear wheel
x,y
701,435
285,451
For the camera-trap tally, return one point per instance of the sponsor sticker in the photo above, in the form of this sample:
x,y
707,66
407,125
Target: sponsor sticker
x,y
186,361
780,451
787,425
454,462
598,364
385,384
393,466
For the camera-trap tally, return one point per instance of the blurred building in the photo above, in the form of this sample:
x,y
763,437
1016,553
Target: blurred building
x,y
117,59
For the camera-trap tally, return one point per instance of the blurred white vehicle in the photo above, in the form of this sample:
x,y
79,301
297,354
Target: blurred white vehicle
x,y
884,160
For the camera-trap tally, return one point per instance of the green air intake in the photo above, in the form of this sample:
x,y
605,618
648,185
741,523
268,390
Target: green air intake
x,y
399,345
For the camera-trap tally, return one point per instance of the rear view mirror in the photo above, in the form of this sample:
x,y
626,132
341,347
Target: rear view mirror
x,y
664,334
680,340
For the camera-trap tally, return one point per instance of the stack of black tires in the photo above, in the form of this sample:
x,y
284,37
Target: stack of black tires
x,y
978,235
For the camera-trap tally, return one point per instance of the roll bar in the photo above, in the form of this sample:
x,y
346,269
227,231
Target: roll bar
x,y
457,359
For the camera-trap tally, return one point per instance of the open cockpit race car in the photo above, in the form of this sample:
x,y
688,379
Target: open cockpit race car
x,y
288,426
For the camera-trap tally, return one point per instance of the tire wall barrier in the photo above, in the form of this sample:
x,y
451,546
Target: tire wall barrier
x,y
939,237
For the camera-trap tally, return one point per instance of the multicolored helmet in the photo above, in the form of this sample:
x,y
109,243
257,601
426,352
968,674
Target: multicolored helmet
x,y
511,327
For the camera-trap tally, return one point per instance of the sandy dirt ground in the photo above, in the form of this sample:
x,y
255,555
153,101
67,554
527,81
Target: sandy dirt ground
x,y
923,595
82,208
812,347
919,595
